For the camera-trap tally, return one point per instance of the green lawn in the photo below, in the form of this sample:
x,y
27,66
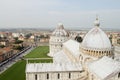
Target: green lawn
x,y
17,71
39,52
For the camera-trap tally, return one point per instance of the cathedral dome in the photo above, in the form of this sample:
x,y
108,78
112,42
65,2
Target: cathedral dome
x,y
60,31
96,38
96,42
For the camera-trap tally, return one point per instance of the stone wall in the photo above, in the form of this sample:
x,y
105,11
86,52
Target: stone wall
x,y
56,75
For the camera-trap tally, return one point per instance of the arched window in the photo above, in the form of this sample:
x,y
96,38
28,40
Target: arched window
x,y
99,51
47,76
61,45
119,75
102,52
69,75
96,51
58,76
35,76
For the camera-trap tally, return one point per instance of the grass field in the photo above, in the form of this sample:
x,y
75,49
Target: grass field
x,y
17,71
39,52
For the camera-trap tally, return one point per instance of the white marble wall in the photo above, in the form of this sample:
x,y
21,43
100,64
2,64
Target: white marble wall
x,y
54,75
55,44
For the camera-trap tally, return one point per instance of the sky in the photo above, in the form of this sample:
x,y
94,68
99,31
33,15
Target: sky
x,y
74,14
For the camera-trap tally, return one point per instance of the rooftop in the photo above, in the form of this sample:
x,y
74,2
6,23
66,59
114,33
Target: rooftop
x,y
52,67
4,50
104,67
73,47
61,57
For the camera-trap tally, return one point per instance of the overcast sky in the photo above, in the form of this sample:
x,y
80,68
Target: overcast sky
x,y
48,13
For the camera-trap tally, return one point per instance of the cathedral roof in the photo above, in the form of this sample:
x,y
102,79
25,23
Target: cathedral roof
x,y
73,47
96,38
104,68
52,67
60,31
61,57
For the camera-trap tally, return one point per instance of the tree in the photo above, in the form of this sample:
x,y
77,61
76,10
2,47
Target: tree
x,y
16,38
2,46
28,35
79,39
18,47
18,41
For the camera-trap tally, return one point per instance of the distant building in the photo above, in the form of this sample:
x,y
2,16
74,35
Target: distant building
x,y
31,39
4,42
114,38
21,37
17,34
3,34
5,53
44,40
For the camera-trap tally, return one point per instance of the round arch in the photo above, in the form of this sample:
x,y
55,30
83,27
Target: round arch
x,y
80,58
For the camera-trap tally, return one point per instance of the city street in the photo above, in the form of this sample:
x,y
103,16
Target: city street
x,y
9,62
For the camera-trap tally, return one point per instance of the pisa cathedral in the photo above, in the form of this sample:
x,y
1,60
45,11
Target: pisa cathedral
x,y
93,59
